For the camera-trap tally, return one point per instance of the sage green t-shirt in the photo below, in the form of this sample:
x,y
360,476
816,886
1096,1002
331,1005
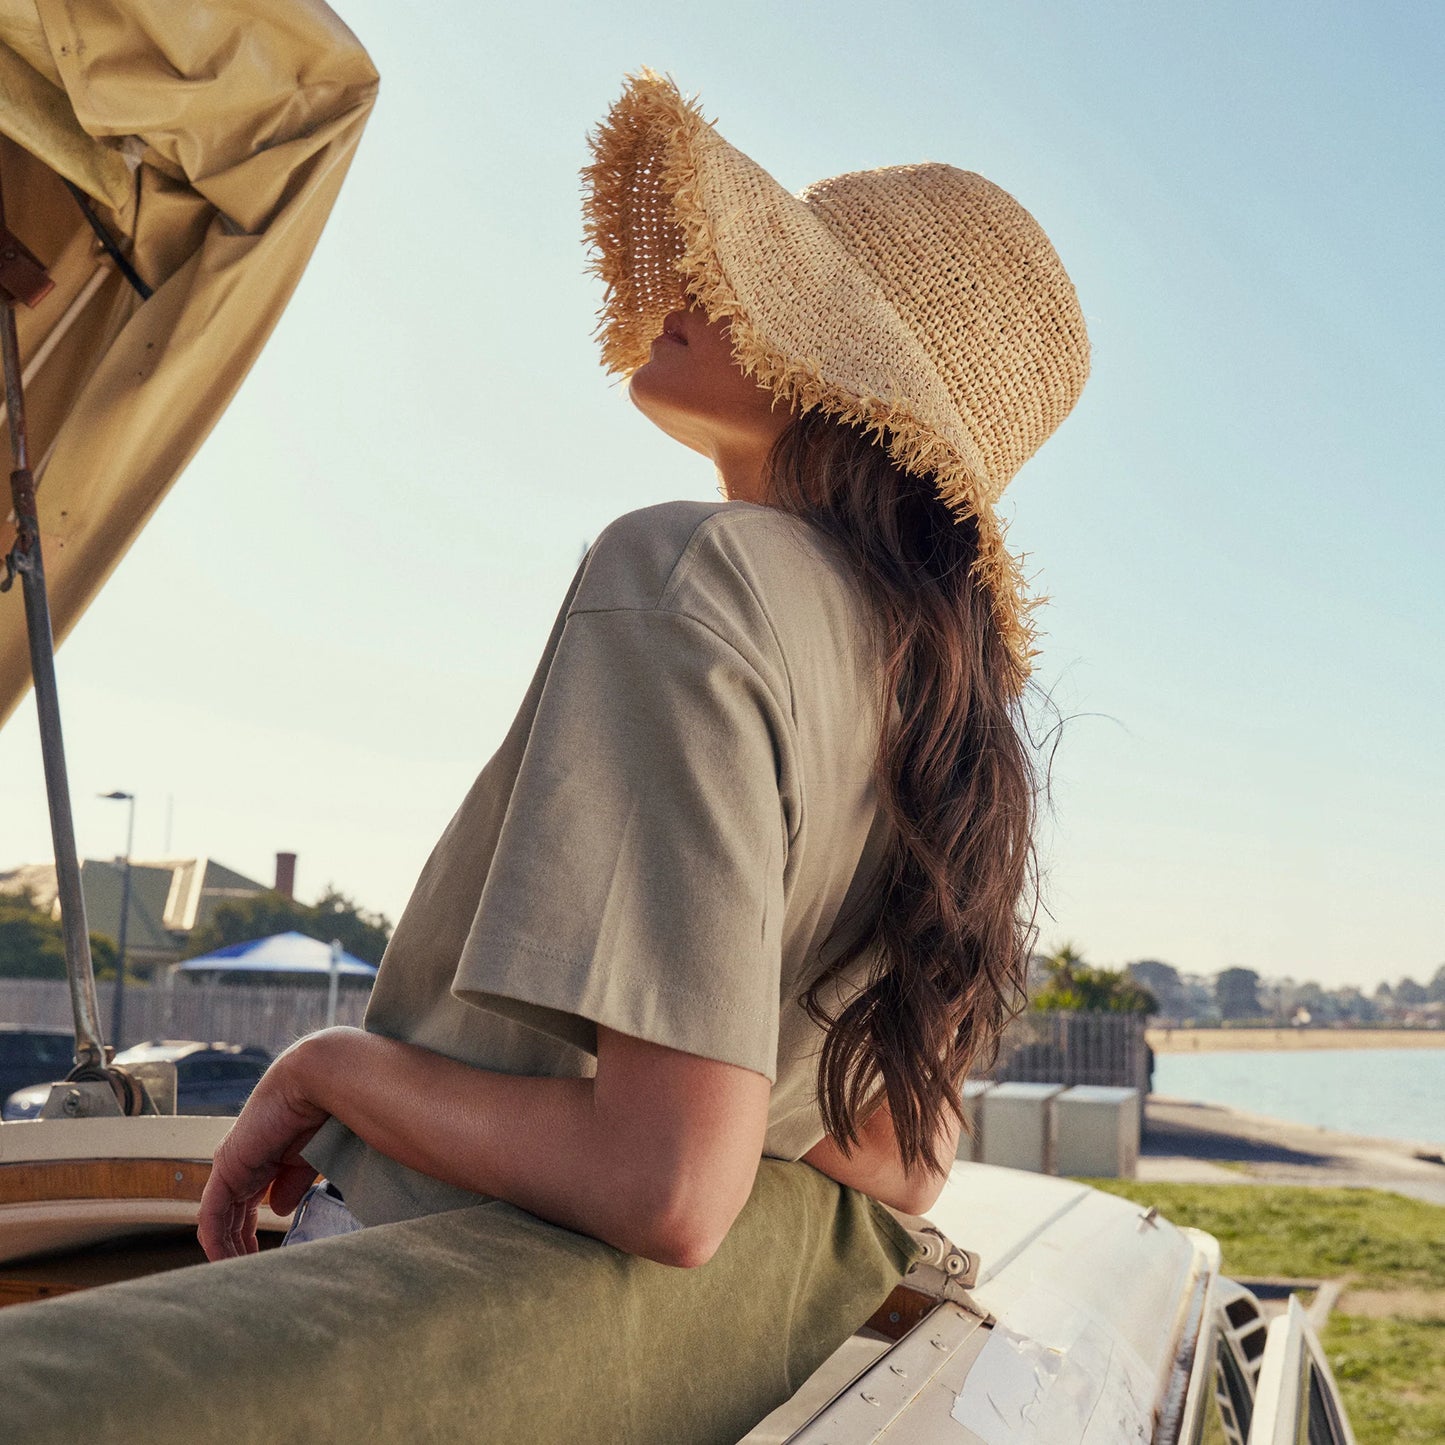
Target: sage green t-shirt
x,y
665,837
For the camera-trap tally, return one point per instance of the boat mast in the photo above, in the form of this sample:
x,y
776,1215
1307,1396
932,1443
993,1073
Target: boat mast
x,y
23,280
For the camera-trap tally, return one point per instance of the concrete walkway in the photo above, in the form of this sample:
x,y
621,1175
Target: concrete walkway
x,y
1191,1143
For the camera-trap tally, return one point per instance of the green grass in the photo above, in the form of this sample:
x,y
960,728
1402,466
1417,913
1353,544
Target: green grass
x,y
1382,1240
1391,1372
1392,1375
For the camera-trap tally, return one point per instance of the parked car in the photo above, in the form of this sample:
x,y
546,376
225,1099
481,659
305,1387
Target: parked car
x,y
30,1056
214,1078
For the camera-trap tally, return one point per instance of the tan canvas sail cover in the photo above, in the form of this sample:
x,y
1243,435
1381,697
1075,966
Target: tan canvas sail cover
x,y
212,140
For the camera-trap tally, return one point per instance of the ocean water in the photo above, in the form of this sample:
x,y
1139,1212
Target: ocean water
x,y
1386,1093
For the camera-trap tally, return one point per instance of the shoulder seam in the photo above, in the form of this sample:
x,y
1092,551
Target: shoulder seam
x,y
658,610
693,542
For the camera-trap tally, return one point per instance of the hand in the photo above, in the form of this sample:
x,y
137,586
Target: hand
x,y
261,1154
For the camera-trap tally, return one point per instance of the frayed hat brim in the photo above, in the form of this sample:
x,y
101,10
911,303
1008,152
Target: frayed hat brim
x,y
669,202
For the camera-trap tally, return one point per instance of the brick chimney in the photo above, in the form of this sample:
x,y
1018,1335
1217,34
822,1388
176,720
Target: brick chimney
x,y
286,874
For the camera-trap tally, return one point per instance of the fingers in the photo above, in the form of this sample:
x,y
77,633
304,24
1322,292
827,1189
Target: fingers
x,y
226,1224
261,1153
208,1228
228,1233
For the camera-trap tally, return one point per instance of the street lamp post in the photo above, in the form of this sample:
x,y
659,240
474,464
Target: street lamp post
x,y
118,1015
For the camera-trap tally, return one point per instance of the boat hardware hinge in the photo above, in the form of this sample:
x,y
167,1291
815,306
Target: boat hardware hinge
x,y
940,1254
84,1099
943,1271
946,1272
89,1092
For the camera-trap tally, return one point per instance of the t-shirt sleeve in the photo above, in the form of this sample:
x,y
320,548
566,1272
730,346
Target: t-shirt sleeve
x,y
638,876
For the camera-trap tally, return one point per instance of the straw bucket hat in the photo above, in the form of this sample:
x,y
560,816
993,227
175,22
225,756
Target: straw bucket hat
x,y
919,302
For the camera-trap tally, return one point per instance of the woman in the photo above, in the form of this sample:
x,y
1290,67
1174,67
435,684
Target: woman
x,y
745,877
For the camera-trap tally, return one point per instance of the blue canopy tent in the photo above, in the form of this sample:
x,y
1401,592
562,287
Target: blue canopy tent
x,y
284,957
291,954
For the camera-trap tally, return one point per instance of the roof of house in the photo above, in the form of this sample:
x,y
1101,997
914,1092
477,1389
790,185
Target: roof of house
x,y
169,896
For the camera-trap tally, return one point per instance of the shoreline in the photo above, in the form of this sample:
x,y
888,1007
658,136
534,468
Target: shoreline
x,y
1191,1142
1278,1040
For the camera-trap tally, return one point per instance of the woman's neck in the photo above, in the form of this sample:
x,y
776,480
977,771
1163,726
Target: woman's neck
x,y
740,472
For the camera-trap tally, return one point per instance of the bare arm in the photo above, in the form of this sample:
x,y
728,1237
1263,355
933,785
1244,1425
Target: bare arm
x,y
876,1167
656,1155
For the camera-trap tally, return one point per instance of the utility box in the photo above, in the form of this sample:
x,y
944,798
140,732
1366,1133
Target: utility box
x,y
1018,1126
1098,1131
970,1140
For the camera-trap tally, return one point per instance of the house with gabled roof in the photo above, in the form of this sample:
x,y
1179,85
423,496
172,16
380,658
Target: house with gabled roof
x,y
169,899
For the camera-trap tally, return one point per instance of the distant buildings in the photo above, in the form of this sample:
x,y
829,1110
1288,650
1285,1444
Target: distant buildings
x,y
169,899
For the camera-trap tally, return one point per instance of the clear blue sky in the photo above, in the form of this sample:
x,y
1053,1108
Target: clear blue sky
x,y
326,629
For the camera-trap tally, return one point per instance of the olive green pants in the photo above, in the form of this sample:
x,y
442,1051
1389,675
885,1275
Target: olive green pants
x,y
480,1325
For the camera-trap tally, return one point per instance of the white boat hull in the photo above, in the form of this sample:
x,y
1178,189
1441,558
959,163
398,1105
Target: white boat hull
x,y
69,1183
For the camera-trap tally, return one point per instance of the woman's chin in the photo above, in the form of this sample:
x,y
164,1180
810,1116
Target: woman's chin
x,y
650,393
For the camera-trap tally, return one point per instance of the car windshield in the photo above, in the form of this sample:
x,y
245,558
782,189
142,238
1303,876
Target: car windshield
x,y
149,1053
42,1050
215,1070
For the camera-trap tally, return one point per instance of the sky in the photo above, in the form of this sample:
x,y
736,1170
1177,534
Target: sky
x,y
326,629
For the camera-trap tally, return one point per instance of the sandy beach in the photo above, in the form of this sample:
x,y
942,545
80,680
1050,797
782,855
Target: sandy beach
x,y
1194,1143
1184,1041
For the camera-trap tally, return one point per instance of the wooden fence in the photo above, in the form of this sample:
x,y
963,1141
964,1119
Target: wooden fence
x,y
270,1018
1046,1048
1075,1048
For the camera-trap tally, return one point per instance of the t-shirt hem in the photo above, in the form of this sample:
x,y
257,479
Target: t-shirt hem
x,y
549,1009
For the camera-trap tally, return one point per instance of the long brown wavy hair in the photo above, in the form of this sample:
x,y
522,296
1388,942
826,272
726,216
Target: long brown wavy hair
x,y
948,922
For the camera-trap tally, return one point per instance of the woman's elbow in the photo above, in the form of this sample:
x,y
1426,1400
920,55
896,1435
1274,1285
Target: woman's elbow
x,y
924,1192
681,1223
684,1241
916,1192
688,1250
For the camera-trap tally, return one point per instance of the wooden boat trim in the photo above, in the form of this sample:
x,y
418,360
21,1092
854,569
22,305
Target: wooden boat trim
x,y
37,1182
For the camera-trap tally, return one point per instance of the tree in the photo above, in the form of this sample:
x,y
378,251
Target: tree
x,y
334,915
1074,986
1409,994
1237,990
33,946
1163,981
1353,1006
1436,986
